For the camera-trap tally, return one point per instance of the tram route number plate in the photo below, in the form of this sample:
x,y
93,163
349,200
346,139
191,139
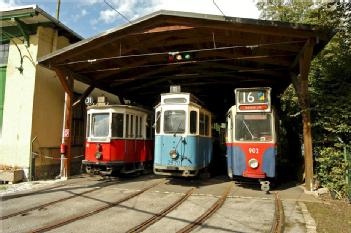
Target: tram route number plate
x,y
172,168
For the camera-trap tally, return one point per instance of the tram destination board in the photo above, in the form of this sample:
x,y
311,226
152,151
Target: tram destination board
x,y
256,99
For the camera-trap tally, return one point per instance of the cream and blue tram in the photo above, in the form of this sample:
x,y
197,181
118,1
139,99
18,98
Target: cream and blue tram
x,y
183,140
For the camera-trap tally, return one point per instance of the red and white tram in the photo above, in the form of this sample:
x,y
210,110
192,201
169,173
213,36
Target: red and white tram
x,y
118,139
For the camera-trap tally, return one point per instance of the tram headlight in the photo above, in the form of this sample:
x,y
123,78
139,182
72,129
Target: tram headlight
x,y
173,154
253,163
98,153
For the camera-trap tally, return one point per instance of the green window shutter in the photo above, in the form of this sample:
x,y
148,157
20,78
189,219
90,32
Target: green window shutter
x,y
2,92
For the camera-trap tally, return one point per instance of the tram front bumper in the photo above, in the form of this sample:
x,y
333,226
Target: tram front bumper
x,y
103,163
176,170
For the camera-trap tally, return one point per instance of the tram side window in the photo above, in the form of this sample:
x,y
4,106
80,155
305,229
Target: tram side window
x,y
140,127
207,125
117,125
136,126
147,127
100,124
131,126
253,127
202,124
127,126
193,122
158,121
88,125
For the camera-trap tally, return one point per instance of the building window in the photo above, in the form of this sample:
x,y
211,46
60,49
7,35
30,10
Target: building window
x,y
4,53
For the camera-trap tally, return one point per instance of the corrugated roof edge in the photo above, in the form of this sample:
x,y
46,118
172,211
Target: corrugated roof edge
x,y
47,15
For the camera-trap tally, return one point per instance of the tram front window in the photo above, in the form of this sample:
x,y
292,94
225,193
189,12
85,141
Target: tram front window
x,y
253,127
100,125
174,121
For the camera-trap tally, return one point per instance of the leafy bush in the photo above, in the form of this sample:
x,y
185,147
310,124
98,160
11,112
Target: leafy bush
x,y
331,168
329,86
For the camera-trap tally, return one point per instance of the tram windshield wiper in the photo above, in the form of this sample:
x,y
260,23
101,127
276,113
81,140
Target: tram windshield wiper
x,y
175,133
247,127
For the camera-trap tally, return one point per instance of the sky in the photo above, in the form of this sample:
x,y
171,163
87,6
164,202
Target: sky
x,y
91,17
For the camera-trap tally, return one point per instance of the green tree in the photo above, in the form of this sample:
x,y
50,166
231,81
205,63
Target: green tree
x,y
329,84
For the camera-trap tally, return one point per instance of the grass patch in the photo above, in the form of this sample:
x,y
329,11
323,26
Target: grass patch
x,y
332,216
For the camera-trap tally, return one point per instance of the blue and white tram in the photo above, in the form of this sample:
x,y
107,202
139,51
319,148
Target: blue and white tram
x,y
183,140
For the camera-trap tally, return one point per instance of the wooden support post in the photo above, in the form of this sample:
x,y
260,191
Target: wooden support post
x,y
301,87
67,83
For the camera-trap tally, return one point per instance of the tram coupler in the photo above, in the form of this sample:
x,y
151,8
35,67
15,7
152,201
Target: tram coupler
x,y
265,186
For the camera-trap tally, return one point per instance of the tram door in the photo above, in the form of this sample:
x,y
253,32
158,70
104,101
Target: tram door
x,y
130,139
134,133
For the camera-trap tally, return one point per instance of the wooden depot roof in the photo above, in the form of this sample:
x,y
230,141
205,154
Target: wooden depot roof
x,y
226,52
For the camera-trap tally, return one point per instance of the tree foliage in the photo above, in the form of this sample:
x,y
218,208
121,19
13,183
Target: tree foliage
x,y
329,84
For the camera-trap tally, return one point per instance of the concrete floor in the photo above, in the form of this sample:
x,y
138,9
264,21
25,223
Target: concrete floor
x,y
247,209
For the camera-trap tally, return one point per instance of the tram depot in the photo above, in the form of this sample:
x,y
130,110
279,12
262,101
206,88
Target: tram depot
x,y
202,91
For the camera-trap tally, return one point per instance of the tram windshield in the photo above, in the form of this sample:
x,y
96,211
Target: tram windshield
x,y
253,127
100,124
174,121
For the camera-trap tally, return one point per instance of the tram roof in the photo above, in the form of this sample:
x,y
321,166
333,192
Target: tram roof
x,y
226,53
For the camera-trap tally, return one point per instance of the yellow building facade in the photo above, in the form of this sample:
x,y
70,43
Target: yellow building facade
x,y
32,102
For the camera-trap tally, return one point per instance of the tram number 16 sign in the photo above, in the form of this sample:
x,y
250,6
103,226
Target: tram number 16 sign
x,y
253,99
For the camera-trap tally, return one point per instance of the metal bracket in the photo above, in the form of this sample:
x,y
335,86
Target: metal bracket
x,y
23,29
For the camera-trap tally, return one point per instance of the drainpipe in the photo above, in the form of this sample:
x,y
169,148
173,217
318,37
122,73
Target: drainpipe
x,y
32,160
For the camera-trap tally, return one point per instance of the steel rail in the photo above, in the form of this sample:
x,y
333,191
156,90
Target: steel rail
x,y
279,218
53,202
141,227
92,212
197,222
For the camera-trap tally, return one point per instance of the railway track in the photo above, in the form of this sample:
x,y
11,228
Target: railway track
x,y
279,218
92,212
208,213
22,212
141,227
277,223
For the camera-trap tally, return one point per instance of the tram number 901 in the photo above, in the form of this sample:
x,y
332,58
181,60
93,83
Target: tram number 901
x,y
253,150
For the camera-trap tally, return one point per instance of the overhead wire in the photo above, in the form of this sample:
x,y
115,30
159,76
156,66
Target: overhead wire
x,y
93,60
180,63
110,5
218,8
